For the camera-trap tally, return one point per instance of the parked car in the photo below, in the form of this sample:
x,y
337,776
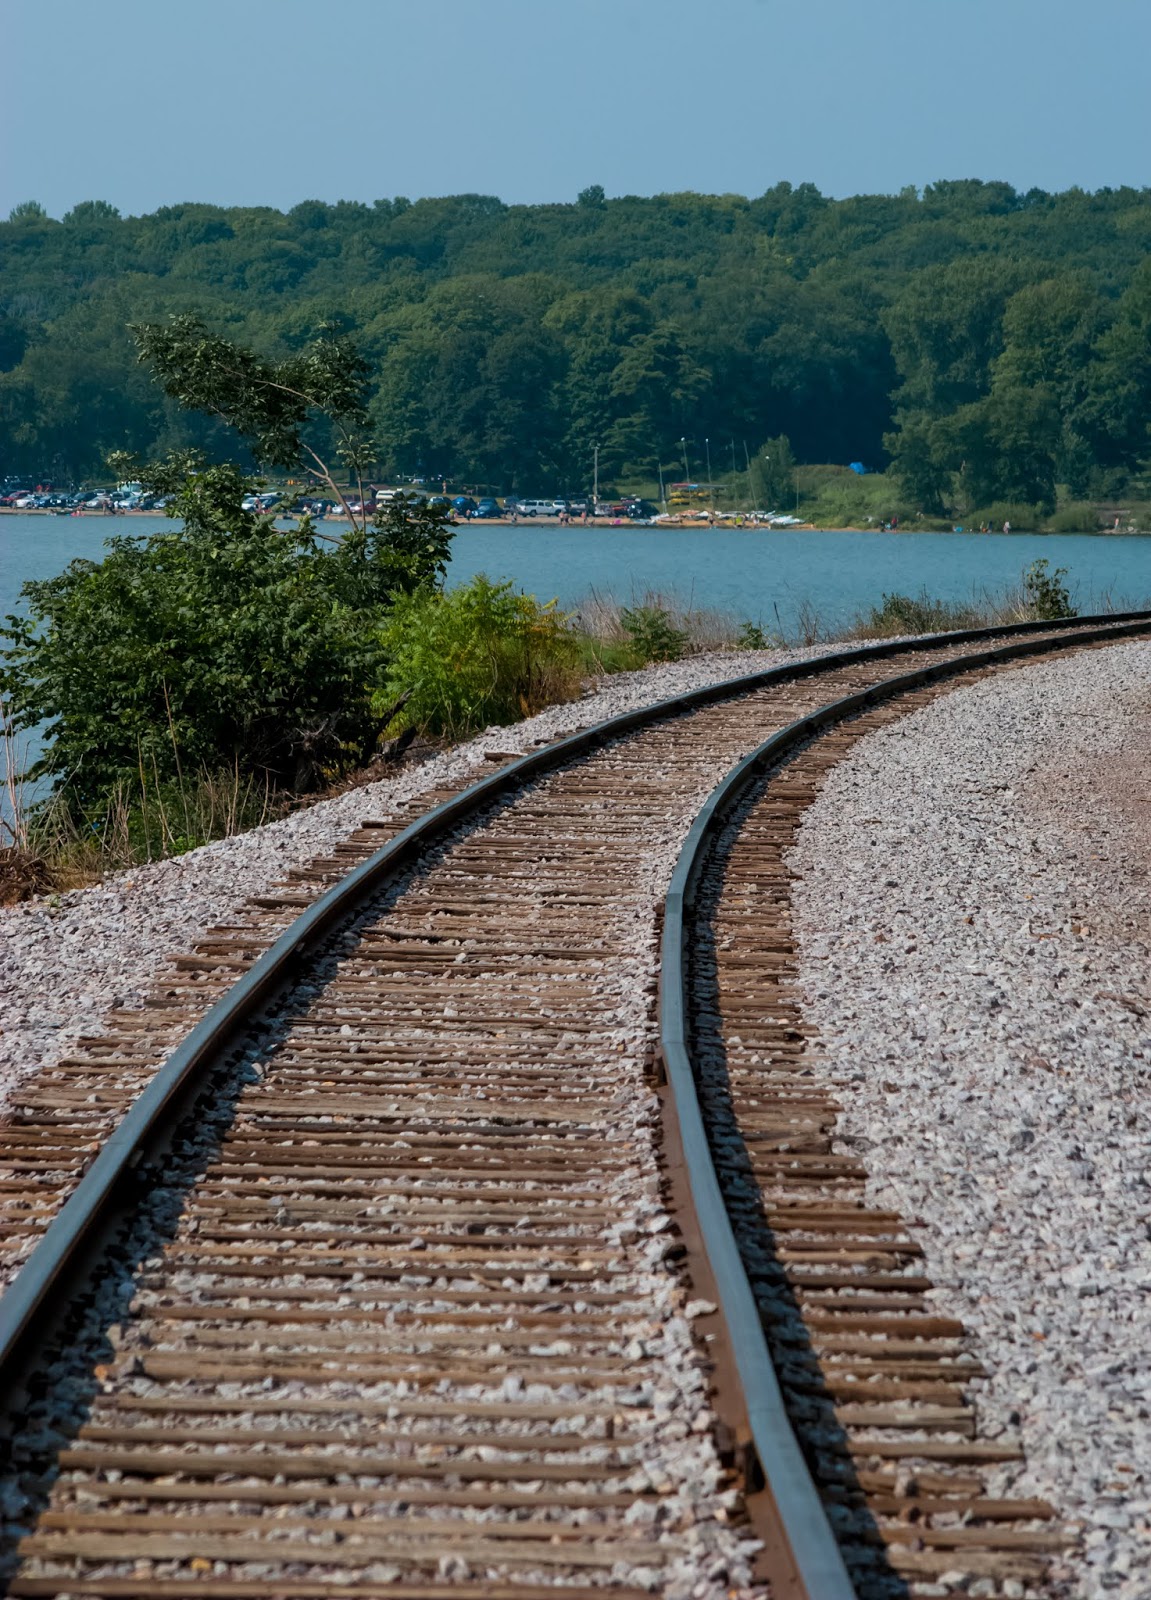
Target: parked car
x,y
537,508
488,508
463,505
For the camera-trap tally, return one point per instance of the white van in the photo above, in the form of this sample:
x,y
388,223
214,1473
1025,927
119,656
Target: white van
x,y
537,508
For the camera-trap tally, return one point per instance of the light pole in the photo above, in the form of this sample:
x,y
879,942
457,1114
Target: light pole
x,y
595,480
686,468
710,490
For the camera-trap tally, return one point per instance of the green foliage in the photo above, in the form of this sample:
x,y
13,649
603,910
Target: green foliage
x,y
775,470
469,657
1048,597
92,211
143,820
1000,342
751,636
845,500
906,614
269,404
227,644
1077,517
1023,518
653,634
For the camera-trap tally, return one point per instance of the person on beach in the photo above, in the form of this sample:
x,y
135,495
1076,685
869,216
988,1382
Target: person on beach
x,y
1007,527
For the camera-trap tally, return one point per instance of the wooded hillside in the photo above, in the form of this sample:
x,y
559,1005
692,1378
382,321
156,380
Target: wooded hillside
x,y
988,344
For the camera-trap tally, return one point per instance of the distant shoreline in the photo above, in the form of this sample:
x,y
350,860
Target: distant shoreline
x,y
693,525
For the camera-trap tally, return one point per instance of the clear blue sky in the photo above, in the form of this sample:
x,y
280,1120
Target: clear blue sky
x,y
148,102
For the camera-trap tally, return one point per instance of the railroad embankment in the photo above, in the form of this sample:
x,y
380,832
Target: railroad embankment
x,y
974,906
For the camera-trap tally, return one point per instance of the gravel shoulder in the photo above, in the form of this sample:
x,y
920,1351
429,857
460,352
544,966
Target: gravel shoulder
x,y
974,915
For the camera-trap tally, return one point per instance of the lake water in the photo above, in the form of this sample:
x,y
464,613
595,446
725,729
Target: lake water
x,y
754,575
758,576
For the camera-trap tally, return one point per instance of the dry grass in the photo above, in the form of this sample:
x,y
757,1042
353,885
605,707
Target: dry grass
x,y
63,848
613,637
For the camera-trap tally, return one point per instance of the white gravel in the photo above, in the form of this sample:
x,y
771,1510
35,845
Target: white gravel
x,y
65,961
974,922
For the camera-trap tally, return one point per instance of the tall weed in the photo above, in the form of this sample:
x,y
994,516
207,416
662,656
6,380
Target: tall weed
x,y
614,637
464,658
903,614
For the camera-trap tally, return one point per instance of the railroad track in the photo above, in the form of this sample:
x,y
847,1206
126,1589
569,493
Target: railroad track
x,y
372,1288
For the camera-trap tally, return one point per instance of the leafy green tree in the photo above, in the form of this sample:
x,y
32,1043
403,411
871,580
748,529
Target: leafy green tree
x,y
1115,412
274,406
230,643
1001,447
92,211
775,470
922,461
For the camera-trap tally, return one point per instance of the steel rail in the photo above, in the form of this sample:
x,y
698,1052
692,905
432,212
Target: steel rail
x,y
75,1234
813,1565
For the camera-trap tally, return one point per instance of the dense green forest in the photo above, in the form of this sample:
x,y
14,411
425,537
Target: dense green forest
x,y
986,345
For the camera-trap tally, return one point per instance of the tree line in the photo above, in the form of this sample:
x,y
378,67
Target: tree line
x,y
986,344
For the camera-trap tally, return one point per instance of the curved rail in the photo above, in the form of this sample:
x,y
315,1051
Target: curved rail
x,y
813,1564
28,1305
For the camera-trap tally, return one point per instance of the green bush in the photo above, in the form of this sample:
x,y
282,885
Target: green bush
x,y
1048,598
226,645
653,634
903,613
1079,517
1023,518
466,658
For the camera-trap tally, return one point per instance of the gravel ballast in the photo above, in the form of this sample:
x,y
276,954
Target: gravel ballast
x,y
666,1383
974,914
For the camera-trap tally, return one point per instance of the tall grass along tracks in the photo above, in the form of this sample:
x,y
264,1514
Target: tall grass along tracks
x,y
375,1285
